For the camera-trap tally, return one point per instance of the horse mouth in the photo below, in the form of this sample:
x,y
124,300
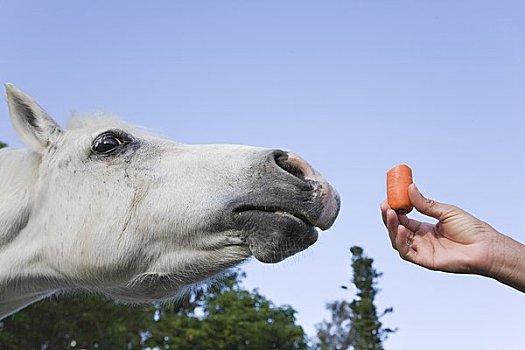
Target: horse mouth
x,y
278,212
278,220
273,234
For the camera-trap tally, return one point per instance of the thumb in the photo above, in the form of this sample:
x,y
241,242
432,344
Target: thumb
x,y
427,206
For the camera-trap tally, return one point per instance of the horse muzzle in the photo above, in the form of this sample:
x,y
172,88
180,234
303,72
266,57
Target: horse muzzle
x,y
279,218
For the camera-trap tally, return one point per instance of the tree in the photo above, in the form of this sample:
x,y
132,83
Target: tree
x,y
222,316
356,324
231,318
2,145
76,321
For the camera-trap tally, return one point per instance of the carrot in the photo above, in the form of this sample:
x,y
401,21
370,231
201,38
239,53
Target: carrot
x,y
397,181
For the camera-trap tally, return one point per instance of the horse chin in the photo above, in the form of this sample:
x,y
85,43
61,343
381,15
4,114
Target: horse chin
x,y
275,236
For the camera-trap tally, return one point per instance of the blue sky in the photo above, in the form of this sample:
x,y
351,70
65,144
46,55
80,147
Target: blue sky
x,y
355,87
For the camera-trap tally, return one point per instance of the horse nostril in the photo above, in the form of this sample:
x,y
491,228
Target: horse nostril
x,y
283,161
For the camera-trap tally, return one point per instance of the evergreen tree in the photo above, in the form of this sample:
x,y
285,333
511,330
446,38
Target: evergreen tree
x,y
356,324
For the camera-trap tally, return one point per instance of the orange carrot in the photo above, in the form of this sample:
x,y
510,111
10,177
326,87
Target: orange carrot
x,y
397,181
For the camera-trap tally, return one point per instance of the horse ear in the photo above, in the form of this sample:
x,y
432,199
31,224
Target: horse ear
x,y
32,123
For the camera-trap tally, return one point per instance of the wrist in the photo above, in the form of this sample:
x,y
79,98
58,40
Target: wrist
x,y
507,261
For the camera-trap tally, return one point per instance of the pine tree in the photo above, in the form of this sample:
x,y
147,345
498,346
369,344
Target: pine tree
x,y
356,324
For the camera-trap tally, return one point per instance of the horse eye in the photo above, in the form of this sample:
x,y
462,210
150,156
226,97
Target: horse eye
x,y
106,143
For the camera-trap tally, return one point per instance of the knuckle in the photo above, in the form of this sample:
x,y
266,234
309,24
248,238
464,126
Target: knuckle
x,y
430,203
432,206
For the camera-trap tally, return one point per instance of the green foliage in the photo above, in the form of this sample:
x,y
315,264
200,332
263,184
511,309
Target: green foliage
x,y
224,316
2,145
84,321
230,318
356,324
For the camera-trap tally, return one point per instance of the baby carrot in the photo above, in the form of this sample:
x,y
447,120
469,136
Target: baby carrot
x,y
397,181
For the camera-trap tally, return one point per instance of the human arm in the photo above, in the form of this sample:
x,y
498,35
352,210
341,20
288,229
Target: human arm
x,y
458,242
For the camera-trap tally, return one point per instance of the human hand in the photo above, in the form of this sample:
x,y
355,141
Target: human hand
x,y
458,242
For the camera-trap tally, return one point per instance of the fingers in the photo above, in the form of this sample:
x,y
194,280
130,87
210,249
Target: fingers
x,y
392,220
412,225
384,207
392,225
400,236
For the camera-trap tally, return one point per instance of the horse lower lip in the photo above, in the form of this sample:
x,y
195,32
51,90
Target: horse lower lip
x,y
275,235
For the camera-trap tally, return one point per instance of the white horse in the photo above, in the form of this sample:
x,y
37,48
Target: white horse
x,y
106,207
